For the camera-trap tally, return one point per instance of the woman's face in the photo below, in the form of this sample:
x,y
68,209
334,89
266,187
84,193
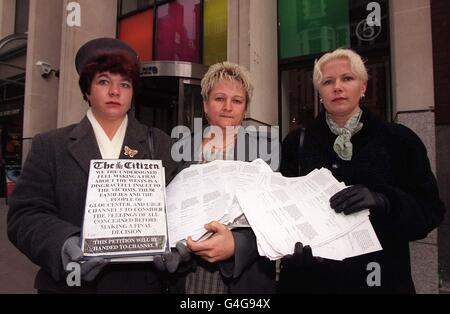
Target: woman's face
x,y
340,89
110,96
226,104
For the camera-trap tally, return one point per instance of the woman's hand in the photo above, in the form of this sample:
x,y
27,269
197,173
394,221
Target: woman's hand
x,y
217,248
356,198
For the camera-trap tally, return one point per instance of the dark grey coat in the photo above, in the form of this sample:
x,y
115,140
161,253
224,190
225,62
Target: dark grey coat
x,y
47,205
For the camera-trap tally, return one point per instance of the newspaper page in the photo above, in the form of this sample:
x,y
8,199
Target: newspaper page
x,y
299,211
206,192
125,214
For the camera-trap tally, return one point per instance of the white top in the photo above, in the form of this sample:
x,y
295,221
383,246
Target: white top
x,y
110,149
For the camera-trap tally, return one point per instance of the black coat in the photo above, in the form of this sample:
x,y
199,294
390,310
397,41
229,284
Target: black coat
x,y
47,205
389,159
246,272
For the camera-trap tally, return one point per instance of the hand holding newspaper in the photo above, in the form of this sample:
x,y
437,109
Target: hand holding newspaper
x,y
299,211
125,217
206,192
281,211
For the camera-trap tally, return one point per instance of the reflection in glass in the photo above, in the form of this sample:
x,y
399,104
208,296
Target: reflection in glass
x,y
21,21
178,31
157,102
141,41
128,6
192,104
299,102
313,26
215,22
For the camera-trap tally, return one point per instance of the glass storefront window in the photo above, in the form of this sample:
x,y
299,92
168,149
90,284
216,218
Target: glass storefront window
x,y
312,26
378,96
363,36
178,31
157,102
192,102
129,6
21,21
300,103
141,41
215,21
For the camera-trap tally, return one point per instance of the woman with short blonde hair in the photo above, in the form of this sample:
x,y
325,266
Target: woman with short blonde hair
x,y
388,173
356,65
228,261
227,71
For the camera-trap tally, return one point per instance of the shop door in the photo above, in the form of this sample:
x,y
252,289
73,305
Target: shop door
x,y
157,103
166,102
170,94
191,103
300,103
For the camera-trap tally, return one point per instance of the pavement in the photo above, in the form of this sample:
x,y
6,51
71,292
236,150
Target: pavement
x,y
16,270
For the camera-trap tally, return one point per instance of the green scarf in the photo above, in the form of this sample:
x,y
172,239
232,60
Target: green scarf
x,y
342,146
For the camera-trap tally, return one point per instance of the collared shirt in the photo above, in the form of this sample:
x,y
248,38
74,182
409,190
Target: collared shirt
x,y
110,149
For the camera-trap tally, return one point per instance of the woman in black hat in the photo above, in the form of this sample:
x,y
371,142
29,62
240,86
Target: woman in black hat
x,y
47,206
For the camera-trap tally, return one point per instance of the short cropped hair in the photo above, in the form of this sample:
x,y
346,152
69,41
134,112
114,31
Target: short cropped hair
x,y
115,63
356,64
227,71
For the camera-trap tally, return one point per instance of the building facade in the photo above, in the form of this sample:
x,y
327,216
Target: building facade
x,y
403,42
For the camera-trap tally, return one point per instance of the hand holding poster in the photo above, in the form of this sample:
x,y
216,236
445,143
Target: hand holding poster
x,y
125,213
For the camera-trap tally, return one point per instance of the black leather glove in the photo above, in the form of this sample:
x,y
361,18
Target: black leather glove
x,y
302,257
71,252
357,198
177,260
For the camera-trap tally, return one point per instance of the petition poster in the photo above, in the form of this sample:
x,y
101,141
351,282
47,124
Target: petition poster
x,y
125,212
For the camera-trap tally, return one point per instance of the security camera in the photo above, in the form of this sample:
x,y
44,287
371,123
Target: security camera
x,y
46,69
